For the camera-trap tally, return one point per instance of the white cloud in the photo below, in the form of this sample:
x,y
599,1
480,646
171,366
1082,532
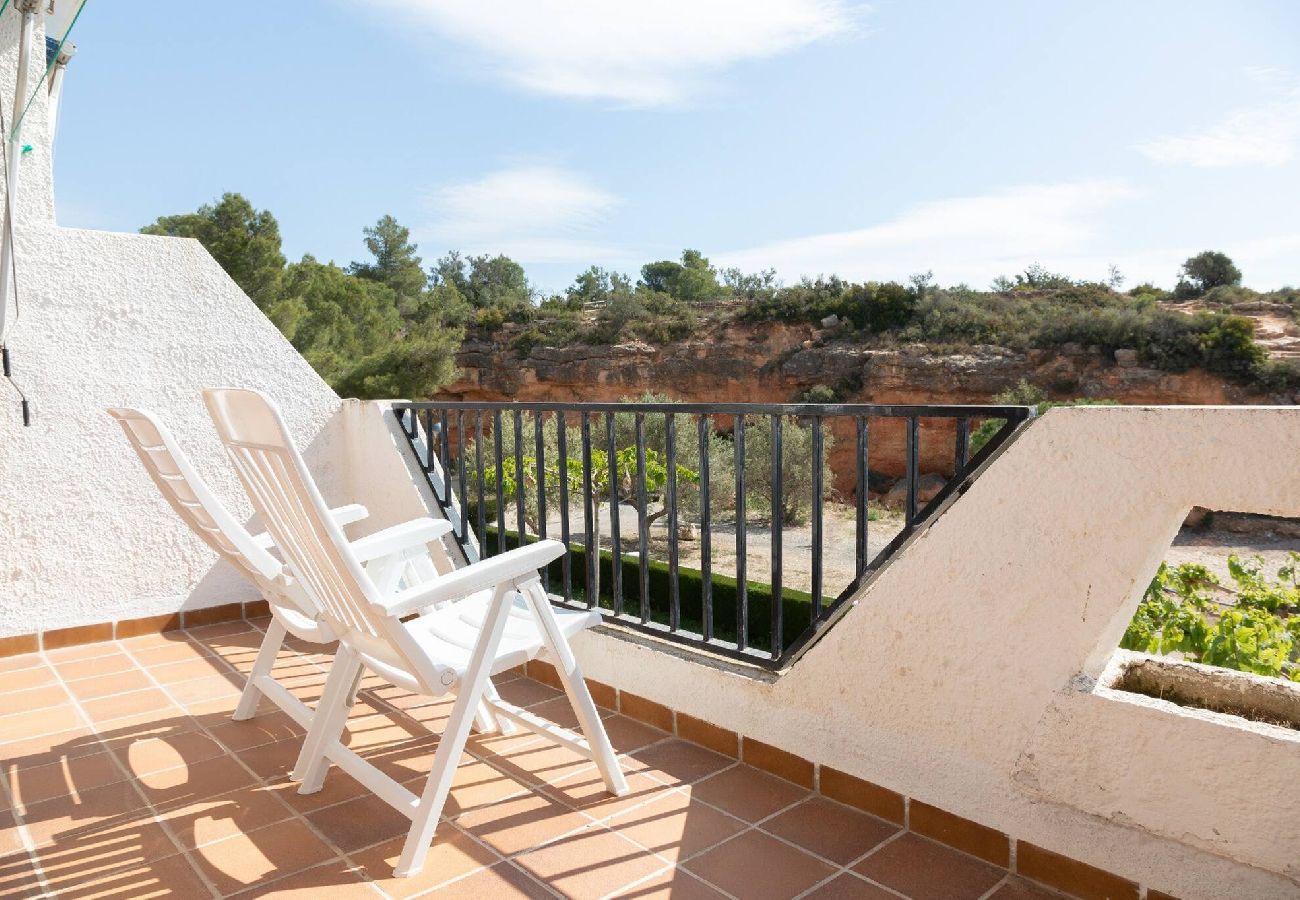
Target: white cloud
x,y
631,51
970,239
1266,133
532,213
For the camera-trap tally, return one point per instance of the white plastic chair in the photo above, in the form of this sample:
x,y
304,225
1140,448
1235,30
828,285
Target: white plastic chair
x,y
396,555
453,649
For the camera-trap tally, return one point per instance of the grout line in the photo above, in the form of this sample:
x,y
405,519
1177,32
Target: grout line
x,y
993,890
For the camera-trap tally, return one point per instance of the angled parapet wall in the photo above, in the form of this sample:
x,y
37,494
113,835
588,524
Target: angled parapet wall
x,y
122,319
965,676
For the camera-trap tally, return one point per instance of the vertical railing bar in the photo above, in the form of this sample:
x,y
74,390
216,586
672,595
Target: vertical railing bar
x,y
913,467
428,443
670,499
962,449
588,516
818,491
521,498
461,481
501,482
539,447
642,528
562,450
861,487
706,538
479,477
615,526
778,527
444,457
742,585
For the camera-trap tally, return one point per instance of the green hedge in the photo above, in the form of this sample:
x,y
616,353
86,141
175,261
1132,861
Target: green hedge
x,y
797,605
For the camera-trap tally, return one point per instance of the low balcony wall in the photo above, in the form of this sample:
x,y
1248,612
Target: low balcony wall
x,y
966,674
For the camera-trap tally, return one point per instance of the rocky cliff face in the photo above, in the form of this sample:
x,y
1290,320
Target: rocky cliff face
x,y
777,363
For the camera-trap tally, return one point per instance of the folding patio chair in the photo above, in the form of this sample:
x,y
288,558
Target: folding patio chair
x,y
395,555
468,636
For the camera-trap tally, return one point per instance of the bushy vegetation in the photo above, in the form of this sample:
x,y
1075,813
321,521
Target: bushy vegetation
x,y
387,325
1252,625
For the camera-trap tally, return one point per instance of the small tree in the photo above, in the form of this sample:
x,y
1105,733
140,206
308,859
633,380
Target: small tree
x,y
1207,270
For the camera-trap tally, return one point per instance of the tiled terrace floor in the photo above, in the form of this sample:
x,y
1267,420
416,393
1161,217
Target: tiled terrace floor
x,y
124,776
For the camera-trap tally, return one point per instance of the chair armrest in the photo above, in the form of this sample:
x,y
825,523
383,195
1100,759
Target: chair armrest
x,y
346,515
343,515
520,563
415,533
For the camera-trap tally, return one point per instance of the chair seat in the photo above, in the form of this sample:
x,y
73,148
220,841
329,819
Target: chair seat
x,y
448,635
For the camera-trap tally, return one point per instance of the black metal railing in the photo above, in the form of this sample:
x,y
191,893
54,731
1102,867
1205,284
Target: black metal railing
x,y
742,468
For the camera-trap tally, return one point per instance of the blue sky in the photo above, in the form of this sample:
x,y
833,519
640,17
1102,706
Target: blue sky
x,y
812,136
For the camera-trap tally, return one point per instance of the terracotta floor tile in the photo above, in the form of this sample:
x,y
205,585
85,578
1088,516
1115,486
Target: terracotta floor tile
x,y
747,793
113,683
103,808
360,822
274,761
244,860
202,690
757,866
268,726
673,883
172,876
476,785
850,887
218,818
922,868
521,823
81,651
18,878
106,709
501,882
676,762
220,631
335,879
51,747
539,762
188,670
172,788
452,854
587,792
154,754
560,711
39,699
28,785
1016,888
20,661
161,655
74,855
98,667
830,829
10,840
526,692
37,723
590,863
628,735
676,826
35,676
338,788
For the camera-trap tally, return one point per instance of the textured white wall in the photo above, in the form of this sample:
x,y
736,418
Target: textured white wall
x,y
121,319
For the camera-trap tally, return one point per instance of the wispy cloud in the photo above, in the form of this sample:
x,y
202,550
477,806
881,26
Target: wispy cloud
x,y
635,52
1264,133
532,213
970,239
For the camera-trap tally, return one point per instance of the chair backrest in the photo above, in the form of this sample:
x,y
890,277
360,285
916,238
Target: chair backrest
x,y
295,515
188,494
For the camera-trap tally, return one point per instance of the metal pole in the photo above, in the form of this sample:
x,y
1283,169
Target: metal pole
x,y
15,140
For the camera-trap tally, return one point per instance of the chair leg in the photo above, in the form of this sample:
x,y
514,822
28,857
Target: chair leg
x,y
452,744
265,661
566,666
355,687
327,723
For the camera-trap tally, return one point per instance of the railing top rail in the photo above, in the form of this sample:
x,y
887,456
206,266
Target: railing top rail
x,y
955,410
